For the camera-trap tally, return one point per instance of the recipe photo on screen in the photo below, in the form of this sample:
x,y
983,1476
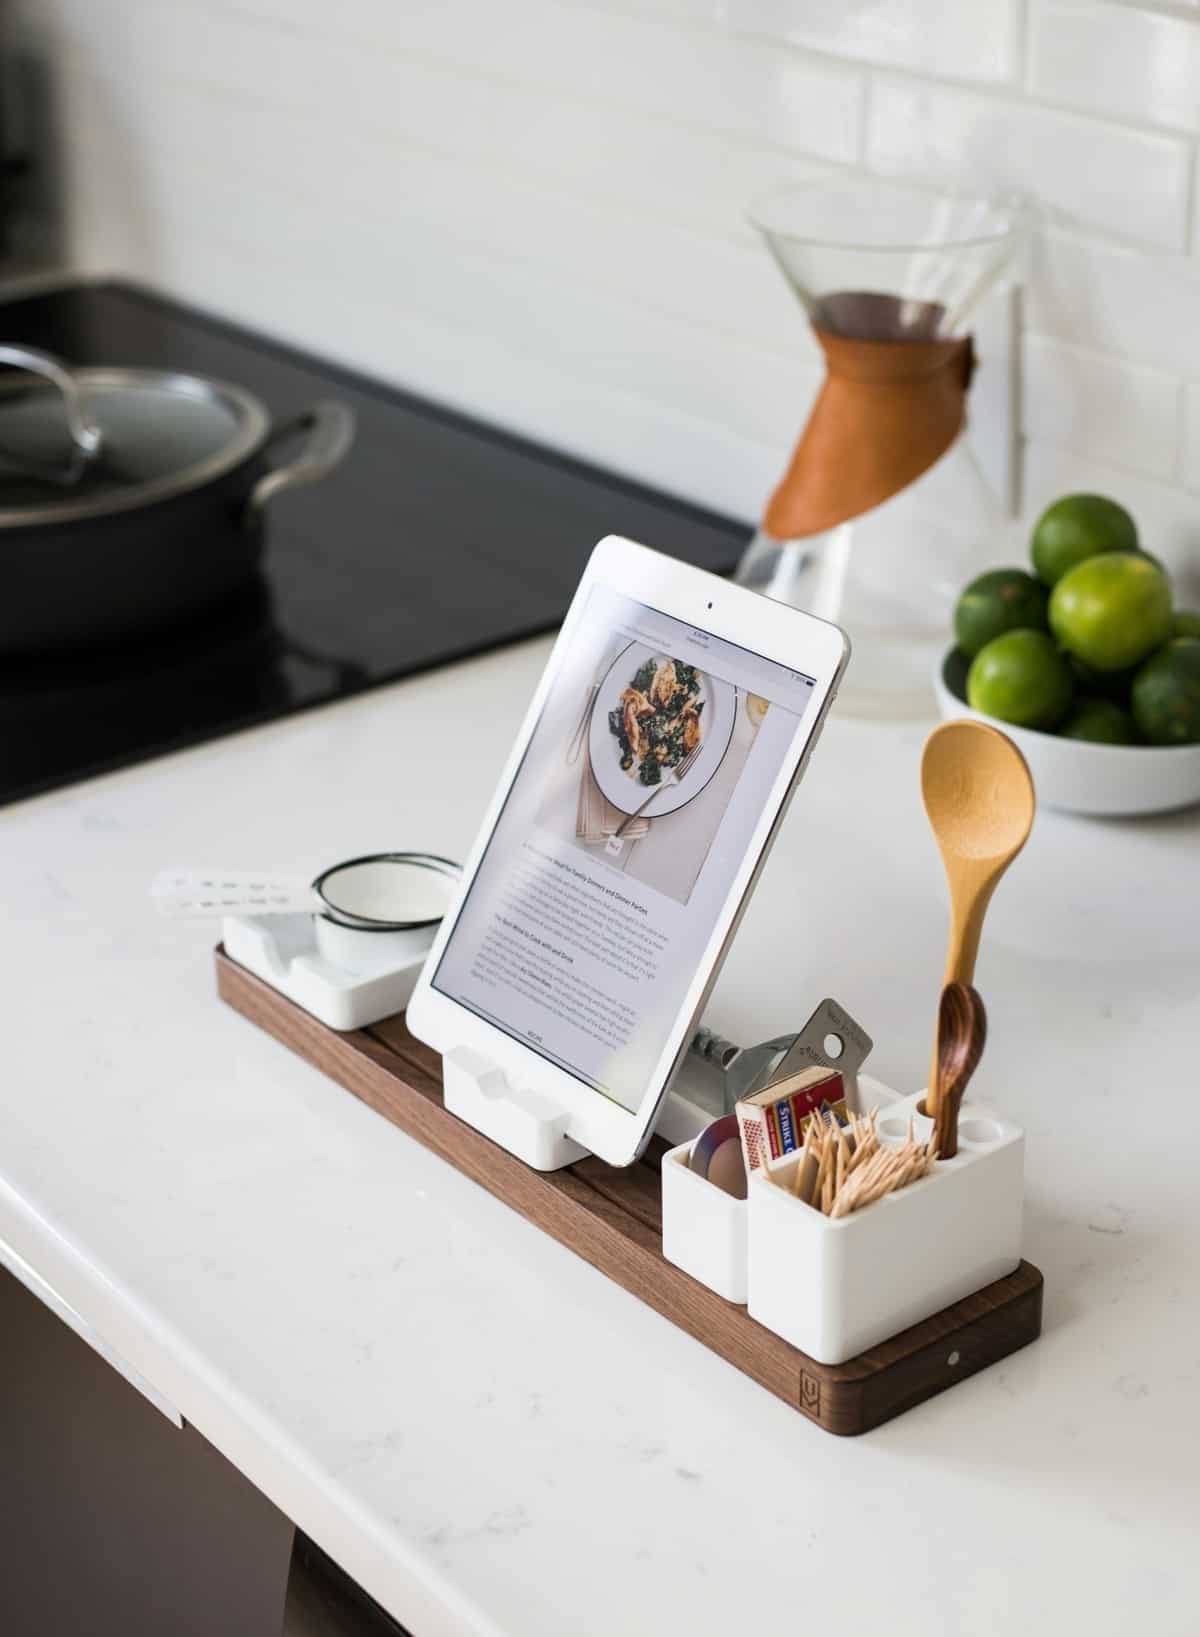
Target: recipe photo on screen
x,y
616,848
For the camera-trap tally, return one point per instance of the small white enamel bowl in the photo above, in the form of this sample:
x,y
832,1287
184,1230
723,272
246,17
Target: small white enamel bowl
x,y
382,911
1103,781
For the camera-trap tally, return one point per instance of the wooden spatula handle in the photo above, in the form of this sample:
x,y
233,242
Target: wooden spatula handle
x,y
945,1125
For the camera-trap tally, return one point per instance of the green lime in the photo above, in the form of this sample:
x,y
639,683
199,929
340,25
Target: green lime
x,y
1112,611
1185,624
1166,694
1005,599
1075,528
1022,678
1101,721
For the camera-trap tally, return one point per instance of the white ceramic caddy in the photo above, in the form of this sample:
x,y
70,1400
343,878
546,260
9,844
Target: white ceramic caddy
x,y
834,1288
1102,781
283,951
347,947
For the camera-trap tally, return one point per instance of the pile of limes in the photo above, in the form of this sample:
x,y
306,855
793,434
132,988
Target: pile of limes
x,y
1091,647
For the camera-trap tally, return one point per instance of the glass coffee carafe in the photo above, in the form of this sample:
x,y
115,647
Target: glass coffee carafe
x,y
883,514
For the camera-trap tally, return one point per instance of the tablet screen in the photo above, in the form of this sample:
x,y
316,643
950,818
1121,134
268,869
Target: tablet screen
x,y
620,838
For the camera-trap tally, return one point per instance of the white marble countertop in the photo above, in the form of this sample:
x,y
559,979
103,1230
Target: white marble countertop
x,y
487,1433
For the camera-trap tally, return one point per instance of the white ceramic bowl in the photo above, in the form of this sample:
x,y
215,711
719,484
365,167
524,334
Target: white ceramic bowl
x,y
1110,781
382,912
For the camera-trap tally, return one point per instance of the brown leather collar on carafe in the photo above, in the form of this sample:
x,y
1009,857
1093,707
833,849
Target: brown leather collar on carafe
x,y
885,413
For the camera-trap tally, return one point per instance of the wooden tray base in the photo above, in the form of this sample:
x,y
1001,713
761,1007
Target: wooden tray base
x,y
612,1218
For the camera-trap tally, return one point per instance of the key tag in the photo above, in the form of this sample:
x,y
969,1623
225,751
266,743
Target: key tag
x,y
831,1039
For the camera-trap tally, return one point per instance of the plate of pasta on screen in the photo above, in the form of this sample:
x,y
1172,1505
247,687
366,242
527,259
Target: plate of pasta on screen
x,y
658,724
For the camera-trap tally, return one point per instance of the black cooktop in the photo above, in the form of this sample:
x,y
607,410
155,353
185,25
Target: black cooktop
x,y
438,537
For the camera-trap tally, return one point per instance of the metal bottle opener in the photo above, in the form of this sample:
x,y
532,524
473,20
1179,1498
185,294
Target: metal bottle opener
x,y
748,1069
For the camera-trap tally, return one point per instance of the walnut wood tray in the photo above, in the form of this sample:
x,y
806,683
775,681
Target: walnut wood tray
x,y
612,1218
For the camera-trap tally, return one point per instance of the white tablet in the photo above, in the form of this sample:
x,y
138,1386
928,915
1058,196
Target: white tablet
x,y
647,781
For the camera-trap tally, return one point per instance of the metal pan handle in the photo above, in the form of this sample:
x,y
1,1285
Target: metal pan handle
x,y
330,429
85,434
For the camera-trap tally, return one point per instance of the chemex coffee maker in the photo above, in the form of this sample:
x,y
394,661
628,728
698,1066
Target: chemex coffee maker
x,y
883,514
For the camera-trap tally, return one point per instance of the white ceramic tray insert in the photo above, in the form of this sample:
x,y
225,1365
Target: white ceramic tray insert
x,y
282,951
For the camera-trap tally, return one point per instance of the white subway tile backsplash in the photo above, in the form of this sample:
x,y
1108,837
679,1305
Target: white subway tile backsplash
x,y
1131,183
362,55
535,209
1098,406
629,157
1139,306
511,372
559,311
1191,438
439,203
1126,63
966,39
697,76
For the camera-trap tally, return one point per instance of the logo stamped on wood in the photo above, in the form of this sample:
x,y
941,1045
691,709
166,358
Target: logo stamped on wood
x,y
810,1395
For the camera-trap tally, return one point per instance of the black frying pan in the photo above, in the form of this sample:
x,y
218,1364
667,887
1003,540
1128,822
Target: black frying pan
x,y
130,499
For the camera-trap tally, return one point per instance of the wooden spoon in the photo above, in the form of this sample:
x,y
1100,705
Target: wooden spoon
x,y
962,1033
979,798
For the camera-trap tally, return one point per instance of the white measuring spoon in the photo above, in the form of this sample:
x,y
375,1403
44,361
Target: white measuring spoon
x,y
194,893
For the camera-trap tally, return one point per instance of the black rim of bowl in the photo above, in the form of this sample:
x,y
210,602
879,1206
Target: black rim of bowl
x,y
364,923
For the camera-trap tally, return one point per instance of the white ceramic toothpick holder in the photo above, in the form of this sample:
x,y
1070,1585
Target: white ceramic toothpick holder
x,y
835,1287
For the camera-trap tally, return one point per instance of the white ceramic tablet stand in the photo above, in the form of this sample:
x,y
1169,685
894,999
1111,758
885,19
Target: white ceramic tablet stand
x,y
528,1124
534,1127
